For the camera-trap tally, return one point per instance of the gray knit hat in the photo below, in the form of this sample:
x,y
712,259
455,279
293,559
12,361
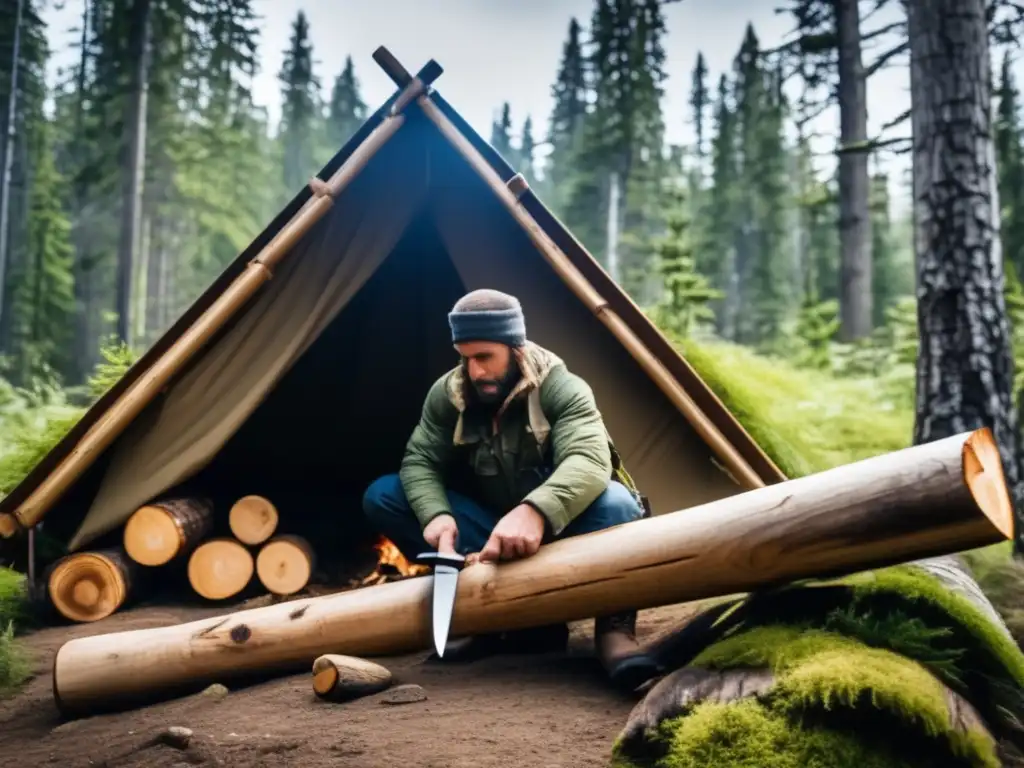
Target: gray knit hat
x,y
488,315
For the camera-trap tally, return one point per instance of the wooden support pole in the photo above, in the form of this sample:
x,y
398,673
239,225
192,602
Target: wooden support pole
x,y
924,501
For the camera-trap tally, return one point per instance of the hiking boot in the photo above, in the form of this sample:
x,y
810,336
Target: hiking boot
x,y
625,662
552,638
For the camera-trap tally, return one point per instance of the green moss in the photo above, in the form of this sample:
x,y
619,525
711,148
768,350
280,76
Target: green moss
x,y
806,421
14,660
821,673
24,445
995,653
747,734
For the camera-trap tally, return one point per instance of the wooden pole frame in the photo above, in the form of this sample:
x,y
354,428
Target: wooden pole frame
x,y
144,389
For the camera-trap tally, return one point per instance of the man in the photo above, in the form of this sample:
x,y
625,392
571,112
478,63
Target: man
x,y
510,451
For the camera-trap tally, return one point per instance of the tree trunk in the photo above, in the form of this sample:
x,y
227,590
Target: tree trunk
x,y
923,501
855,292
134,164
965,363
7,160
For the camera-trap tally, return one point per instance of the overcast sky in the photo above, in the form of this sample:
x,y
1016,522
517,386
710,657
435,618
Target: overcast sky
x,y
496,50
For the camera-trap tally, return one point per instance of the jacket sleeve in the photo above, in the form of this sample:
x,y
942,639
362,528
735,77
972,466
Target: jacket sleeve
x,y
580,452
427,454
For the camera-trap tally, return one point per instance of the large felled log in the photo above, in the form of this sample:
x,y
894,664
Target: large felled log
x,y
253,519
341,678
165,529
285,564
923,501
89,586
220,568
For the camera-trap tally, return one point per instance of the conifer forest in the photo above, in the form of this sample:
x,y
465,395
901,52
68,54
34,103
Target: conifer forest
x,y
845,295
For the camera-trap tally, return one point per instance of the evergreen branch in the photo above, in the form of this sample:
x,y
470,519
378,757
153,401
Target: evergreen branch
x,y
885,58
872,145
896,25
898,120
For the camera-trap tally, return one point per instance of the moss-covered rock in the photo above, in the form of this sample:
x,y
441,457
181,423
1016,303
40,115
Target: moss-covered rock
x,y
834,701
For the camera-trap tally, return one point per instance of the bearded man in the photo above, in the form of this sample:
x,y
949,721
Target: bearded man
x,y
510,452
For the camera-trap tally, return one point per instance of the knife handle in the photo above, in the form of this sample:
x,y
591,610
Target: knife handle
x,y
434,559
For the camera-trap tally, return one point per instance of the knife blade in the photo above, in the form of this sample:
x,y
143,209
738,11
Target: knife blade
x,y
447,566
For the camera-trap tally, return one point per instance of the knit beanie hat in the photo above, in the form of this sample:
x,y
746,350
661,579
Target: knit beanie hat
x,y
488,315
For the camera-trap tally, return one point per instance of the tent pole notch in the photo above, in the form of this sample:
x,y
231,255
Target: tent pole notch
x,y
518,185
400,76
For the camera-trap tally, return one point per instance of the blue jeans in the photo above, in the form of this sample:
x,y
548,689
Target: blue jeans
x,y
388,512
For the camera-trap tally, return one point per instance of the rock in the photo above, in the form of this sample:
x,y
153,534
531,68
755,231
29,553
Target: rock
x,y
214,692
404,694
176,736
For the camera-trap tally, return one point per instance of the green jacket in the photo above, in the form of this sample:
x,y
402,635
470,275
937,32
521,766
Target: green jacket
x,y
549,420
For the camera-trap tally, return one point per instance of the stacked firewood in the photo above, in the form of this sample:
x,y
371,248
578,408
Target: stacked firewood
x,y
88,586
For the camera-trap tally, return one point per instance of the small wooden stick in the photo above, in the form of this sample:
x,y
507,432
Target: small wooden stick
x,y
341,678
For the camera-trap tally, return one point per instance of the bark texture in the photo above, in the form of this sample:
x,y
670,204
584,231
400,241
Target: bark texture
x,y
965,364
855,277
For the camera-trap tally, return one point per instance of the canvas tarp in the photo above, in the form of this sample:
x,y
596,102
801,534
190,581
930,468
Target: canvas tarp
x,y
206,406
480,246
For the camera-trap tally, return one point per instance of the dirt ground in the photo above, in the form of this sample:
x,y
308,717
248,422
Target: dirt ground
x,y
552,711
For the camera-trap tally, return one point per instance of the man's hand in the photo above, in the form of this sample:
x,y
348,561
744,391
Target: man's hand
x,y
518,534
441,533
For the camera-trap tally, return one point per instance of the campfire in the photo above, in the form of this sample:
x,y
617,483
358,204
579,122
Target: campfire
x,y
391,565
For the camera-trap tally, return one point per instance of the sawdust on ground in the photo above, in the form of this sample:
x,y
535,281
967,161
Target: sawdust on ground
x,y
549,711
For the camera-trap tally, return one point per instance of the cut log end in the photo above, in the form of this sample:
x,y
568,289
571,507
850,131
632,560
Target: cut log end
x,y
253,520
983,475
285,564
88,586
337,677
151,536
8,525
220,568
159,532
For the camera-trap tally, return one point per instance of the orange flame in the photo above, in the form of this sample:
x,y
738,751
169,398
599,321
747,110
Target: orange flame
x,y
389,554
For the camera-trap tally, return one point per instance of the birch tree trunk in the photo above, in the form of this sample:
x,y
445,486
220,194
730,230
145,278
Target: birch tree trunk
x,y
855,289
134,167
965,364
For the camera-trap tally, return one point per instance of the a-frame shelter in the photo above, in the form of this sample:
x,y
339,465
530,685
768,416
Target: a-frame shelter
x,y
305,363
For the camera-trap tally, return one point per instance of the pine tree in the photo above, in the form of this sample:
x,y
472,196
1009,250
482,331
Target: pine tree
x,y
699,103
526,151
501,133
623,135
761,270
1010,165
717,258
45,302
685,304
347,110
301,111
570,109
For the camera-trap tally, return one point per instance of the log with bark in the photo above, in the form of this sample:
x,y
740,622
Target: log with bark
x,y
167,529
89,586
923,501
253,519
342,678
284,564
220,568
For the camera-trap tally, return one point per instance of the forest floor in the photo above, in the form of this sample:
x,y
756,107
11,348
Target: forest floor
x,y
548,711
